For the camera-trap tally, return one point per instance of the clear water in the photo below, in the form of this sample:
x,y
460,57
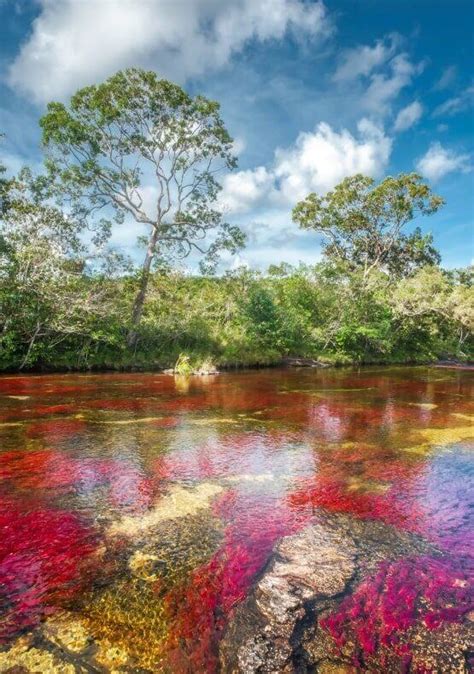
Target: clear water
x,y
137,509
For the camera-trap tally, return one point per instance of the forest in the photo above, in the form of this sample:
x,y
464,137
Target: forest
x,y
68,300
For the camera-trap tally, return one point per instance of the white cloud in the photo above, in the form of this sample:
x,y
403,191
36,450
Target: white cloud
x,y
238,146
439,161
447,78
319,160
379,72
385,87
245,190
362,60
408,116
74,43
455,104
315,163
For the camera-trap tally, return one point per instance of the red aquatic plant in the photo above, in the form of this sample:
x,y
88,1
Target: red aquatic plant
x,y
417,590
199,611
45,558
49,410
333,495
56,430
55,472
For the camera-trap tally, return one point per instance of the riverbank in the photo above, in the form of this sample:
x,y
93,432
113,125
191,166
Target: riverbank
x,y
209,367
243,320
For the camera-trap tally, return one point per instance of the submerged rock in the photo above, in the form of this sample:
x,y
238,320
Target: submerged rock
x,y
445,651
23,658
178,502
277,629
175,547
314,564
67,631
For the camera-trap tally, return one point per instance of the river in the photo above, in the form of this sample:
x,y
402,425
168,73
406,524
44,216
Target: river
x,y
138,512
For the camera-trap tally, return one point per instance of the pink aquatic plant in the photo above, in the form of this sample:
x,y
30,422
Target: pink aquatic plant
x,y
417,590
46,556
56,430
201,608
53,472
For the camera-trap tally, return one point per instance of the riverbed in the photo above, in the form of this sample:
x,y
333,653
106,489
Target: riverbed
x,y
141,515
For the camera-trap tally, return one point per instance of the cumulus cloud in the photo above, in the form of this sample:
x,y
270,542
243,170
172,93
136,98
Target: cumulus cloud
x,y
74,43
408,116
316,162
319,160
245,190
439,161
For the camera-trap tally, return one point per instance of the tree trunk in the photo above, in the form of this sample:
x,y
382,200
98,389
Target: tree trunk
x,y
141,294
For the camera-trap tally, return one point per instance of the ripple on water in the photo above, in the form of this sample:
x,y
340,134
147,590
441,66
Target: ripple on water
x,y
139,513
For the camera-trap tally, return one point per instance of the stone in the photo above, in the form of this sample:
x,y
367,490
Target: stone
x,y
22,656
443,650
303,362
311,563
67,631
316,563
329,667
178,502
276,629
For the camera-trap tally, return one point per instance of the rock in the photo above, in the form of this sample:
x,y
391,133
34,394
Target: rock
x,y
178,502
329,667
67,631
23,656
454,363
315,563
303,362
311,563
111,656
276,629
175,547
444,650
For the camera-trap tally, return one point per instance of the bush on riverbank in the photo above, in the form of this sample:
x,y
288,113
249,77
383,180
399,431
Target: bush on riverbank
x,y
80,320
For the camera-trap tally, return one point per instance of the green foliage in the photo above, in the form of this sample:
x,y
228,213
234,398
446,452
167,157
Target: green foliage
x,y
183,365
239,319
378,296
362,222
50,302
137,147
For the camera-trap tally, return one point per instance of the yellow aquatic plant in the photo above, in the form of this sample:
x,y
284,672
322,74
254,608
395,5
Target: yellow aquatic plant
x,y
178,502
23,656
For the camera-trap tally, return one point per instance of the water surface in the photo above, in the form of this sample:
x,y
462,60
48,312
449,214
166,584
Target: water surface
x,y
137,510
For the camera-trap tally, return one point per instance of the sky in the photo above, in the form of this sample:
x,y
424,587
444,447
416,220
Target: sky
x,y
311,92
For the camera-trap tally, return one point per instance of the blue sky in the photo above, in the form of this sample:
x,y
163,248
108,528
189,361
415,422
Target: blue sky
x,y
310,91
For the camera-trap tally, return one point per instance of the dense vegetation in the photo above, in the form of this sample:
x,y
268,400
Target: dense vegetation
x,y
68,301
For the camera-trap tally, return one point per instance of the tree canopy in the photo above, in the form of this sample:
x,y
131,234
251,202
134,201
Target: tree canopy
x,y
362,222
142,147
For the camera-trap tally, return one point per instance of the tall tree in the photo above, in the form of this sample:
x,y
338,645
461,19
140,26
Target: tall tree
x,y
146,149
47,296
363,222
